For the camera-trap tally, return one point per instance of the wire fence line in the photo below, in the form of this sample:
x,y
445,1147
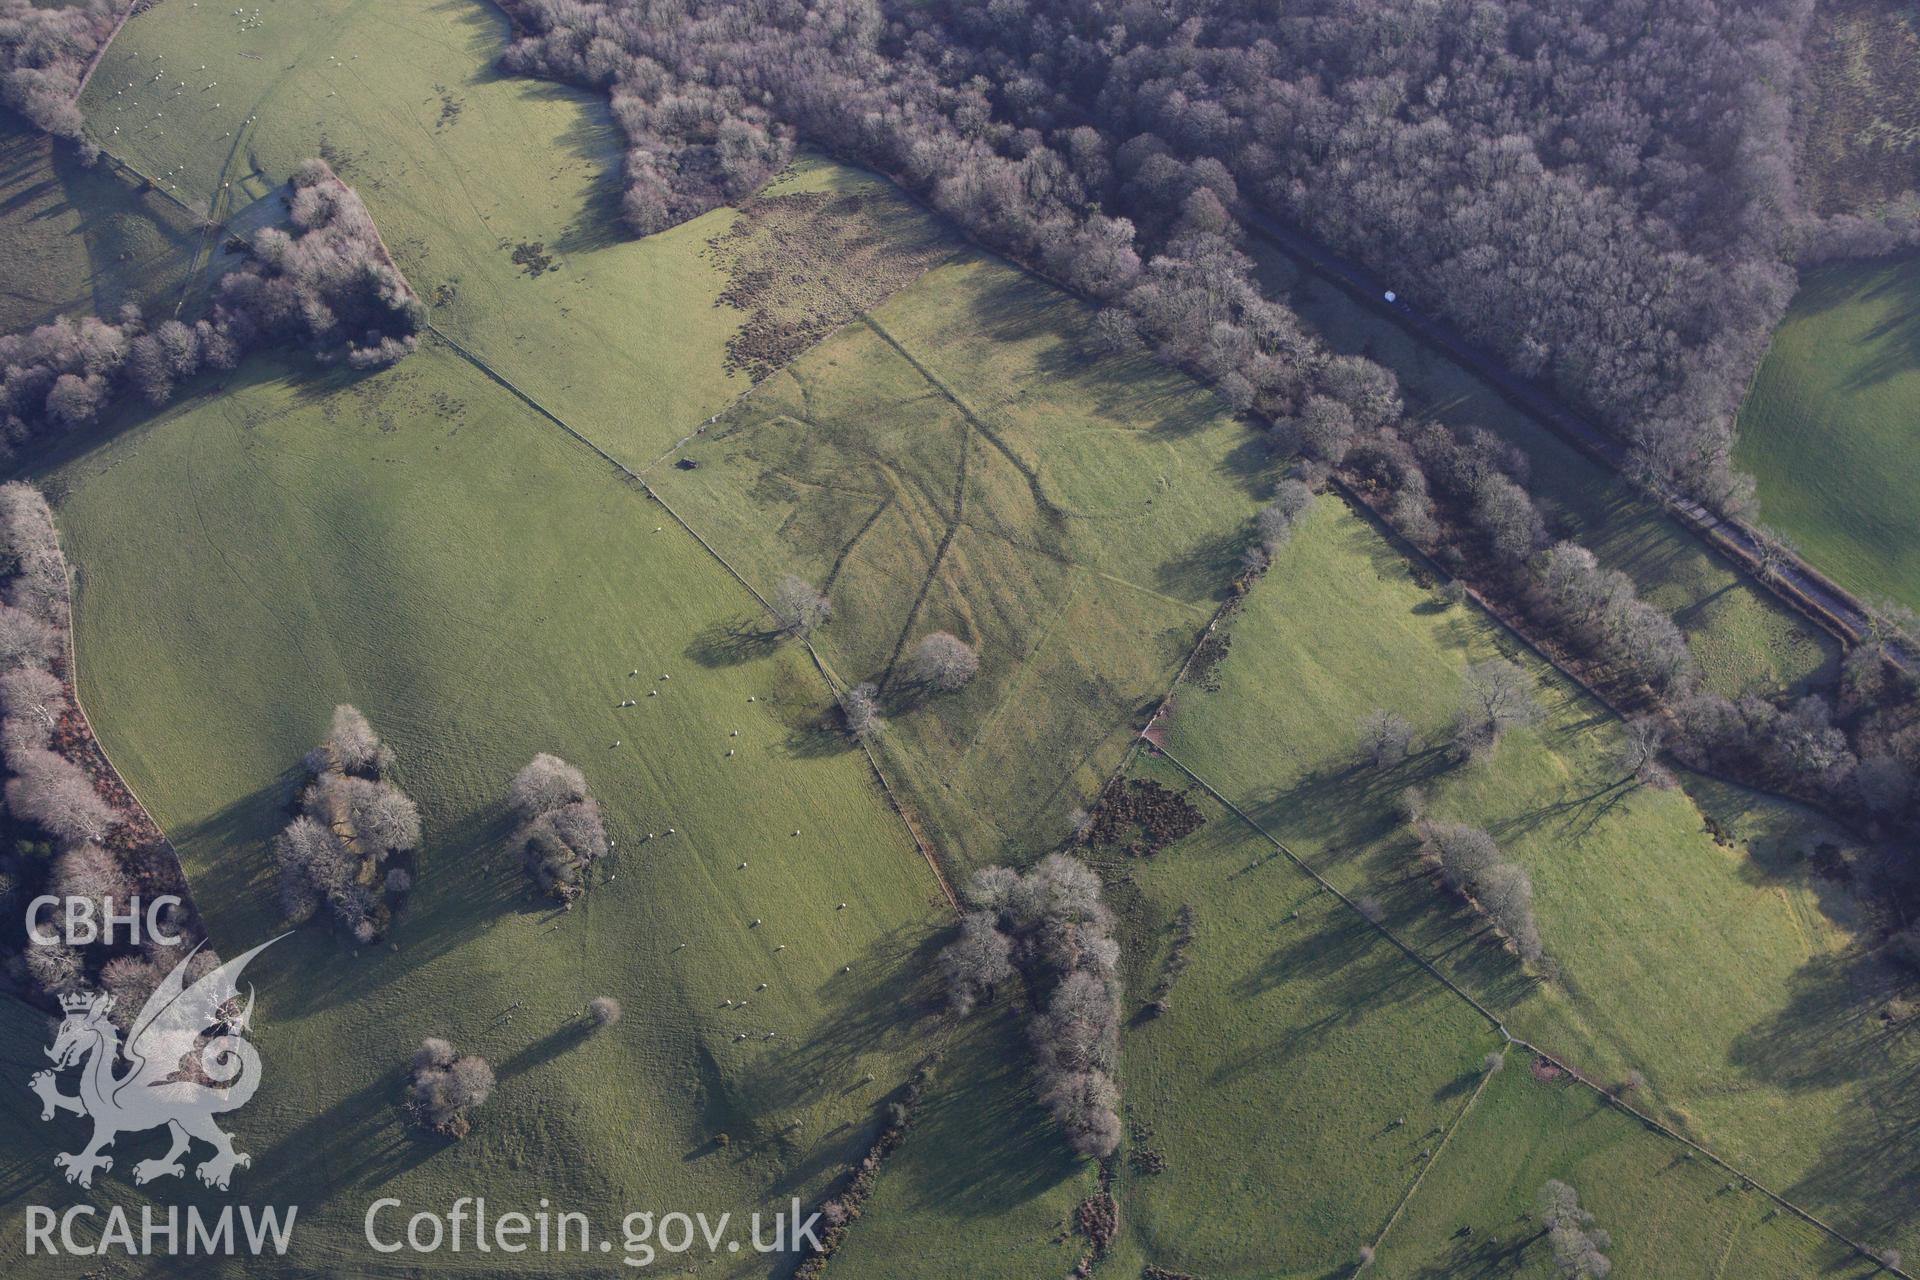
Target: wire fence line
x,y
834,686
1608,1096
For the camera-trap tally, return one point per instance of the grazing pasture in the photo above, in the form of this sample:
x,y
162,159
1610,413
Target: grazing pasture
x,y
959,459
75,240
1669,1212
497,195
1828,426
420,544
1301,1069
1703,935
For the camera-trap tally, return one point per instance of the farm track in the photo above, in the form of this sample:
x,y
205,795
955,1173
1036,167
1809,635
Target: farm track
x,y
1790,579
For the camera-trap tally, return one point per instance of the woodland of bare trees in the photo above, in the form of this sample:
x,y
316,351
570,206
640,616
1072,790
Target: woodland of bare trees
x,y
44,54
325,283
352,829
1603,195
561,834
1051,929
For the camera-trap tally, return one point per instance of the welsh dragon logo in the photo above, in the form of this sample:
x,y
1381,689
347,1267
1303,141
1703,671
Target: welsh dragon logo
x,y
187,1061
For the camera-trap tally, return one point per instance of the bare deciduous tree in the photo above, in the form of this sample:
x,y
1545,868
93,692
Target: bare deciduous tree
x,y
55,795
1498,696
943,661
860,706
977,962
445,1086
354,746
1579,1247
543,783
1384,738
798,608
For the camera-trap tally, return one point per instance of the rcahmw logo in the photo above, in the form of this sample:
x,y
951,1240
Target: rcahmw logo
x,y
185,1060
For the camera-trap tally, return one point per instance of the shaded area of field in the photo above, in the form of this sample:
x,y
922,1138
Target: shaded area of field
x,y
1724,970
1828,428
79,241
1303,1073
419,544
960,460
1742,637
982,1186
1670,1214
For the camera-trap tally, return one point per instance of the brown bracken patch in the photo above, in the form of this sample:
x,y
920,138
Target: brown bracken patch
x,y
803,264
1142,817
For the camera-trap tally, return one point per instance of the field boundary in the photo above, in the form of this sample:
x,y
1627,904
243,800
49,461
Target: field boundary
x,y
1499,1024
1798,584
926,851
72,655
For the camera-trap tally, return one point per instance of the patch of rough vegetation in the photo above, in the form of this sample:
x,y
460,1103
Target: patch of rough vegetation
x,y
1142,817
1862,146
801,265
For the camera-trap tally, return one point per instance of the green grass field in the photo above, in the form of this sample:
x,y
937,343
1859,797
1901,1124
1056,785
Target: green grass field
x,y
1726,974
958,460
1743,639
421,545
1303,1067
78,241
1828,426
982,1185
464,168
1669,1214
424,545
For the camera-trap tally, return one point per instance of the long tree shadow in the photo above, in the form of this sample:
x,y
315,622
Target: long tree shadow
x,y
733,641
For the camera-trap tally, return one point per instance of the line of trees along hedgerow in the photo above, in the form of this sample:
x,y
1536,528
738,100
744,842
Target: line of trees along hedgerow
x,y
325,283
1602,193
44,54
70,829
